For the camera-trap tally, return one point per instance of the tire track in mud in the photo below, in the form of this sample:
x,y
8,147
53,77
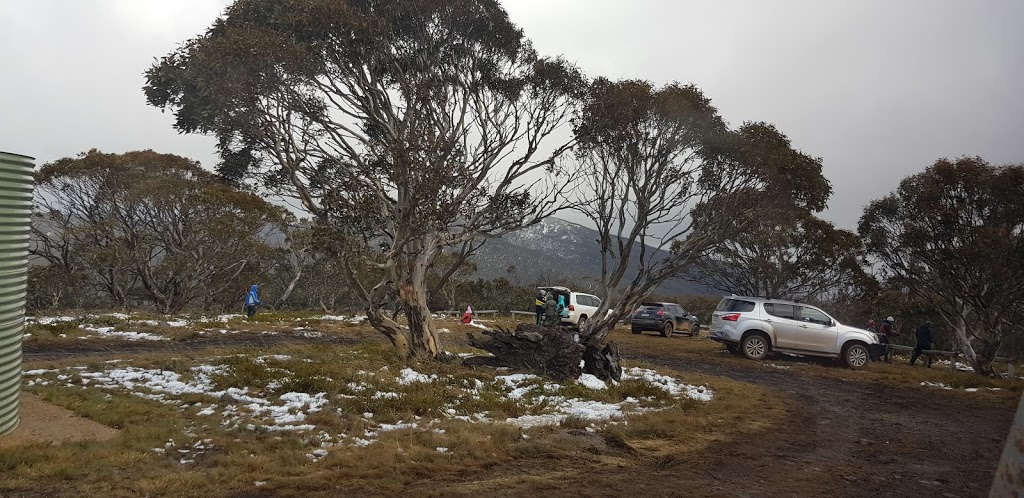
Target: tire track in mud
x,y
849,438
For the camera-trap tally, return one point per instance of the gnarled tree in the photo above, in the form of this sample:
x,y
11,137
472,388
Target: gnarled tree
x,y
156,224
666,174
786,254
954,235
403,126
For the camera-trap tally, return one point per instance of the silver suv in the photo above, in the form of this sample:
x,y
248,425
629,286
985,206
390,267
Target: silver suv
x,y
756,326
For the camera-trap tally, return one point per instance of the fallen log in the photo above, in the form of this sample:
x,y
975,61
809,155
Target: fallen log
x,y
550,351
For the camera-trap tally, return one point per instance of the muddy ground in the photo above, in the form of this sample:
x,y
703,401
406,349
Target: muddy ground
x,y
839,438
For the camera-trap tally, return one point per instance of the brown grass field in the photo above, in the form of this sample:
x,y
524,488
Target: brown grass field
x,y
783,427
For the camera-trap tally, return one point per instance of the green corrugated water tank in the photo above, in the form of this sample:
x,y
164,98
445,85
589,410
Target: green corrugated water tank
x,y
15,219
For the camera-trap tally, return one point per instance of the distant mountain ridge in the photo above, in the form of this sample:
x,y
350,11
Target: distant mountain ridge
x,y
555,249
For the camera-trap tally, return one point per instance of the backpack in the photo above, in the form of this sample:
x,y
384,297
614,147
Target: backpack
x,y
885,328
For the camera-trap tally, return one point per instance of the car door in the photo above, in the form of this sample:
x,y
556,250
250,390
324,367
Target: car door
x,y
680,317
819,331
588,305
783,319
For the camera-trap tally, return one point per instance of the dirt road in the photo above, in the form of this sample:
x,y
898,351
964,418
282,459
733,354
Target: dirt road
x,y
844,438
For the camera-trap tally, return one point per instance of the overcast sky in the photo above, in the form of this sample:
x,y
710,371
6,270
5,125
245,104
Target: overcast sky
x,y
878,89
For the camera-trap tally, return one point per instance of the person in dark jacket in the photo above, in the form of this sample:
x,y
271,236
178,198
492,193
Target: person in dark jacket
x,y
925,334
551,317
252,300
538,307
885,333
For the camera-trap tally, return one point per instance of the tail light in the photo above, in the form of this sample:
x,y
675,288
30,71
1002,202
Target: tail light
x,y
732,317
572,307
661,312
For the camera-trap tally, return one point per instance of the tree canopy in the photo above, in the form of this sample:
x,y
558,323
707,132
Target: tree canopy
x,y
147,221
664,172
954,234
404,127
786,254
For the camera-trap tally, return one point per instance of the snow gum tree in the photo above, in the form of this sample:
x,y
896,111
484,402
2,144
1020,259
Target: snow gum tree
x,y
954,235
787,254
667,174
149,223
403,126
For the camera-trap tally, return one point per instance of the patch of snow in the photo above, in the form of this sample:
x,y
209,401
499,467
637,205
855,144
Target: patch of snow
x,y
591,382
407,376
669,384
48,320
935,384
110,333
442,449
473,323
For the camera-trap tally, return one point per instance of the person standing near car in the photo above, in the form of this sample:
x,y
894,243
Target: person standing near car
x,y
925,334
538,307
551,317
885,333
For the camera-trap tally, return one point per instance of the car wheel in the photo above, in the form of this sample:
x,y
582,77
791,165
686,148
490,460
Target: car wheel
x,y
732,348
856,356
635,330
694,329
755,346
581,322
666,331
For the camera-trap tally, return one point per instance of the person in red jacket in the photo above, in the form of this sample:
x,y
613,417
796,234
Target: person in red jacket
x,y
885,333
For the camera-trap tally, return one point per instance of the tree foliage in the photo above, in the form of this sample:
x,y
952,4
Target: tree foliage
x,y
404,127
786,254
664,172
156,224
954,235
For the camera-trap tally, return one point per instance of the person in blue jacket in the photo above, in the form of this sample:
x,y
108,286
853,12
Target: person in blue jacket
x,y
562,311
252,300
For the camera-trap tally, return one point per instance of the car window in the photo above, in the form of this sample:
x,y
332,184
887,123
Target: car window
x,y
736,305
678,310
780,310
814,316
584,300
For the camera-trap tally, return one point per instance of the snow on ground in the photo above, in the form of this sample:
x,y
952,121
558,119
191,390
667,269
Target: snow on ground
x,y
110,333
48,320
251,408
940,385
669,384
474,323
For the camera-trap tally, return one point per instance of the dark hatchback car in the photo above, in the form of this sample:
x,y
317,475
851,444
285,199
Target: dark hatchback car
x,y
665,318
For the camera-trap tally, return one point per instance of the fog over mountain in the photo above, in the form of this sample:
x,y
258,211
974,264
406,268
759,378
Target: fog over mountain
x,y
556,250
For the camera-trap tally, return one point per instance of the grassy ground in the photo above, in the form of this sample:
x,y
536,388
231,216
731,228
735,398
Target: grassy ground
x,y
170,449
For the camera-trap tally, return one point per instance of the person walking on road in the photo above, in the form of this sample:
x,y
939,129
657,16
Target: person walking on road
x,y
925,334
885,333
252,300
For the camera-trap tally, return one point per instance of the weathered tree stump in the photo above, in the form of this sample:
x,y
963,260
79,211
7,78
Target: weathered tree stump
x,y
603,362
550,351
